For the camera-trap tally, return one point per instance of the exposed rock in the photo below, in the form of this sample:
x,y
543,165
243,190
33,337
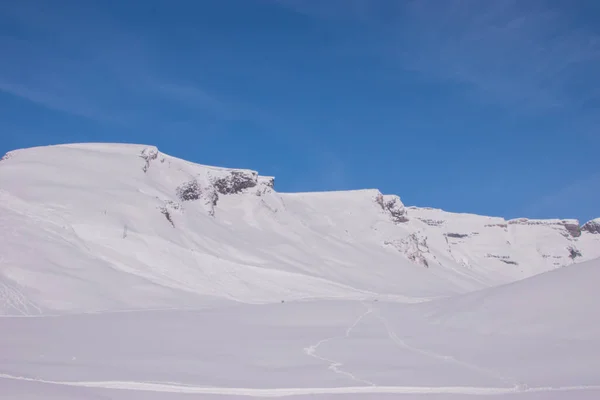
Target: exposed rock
x,y
235,182
504,259
167,215
573,252
432,222
268,181
168,208
392,205
7,156
189,191
192,191
592,226
148,154
457,235
414,247
496,225
497,256
265,185
570,225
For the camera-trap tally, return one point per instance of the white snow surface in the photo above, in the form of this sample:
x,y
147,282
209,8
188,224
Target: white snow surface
x,y
126,273
85,229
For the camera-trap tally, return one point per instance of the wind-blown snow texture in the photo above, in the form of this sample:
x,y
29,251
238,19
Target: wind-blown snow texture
x,y
377,297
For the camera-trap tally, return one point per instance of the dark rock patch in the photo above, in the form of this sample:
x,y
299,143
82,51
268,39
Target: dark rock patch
x,y
592,226
235,182
393,206
148,154
573,252
457,235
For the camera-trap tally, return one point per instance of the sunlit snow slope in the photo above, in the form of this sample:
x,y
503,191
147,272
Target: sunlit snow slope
x,y
532,339
93,227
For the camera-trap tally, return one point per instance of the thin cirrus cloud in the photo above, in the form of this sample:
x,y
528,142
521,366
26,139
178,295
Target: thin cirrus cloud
x,y
523,54
530,55
531,59
81,62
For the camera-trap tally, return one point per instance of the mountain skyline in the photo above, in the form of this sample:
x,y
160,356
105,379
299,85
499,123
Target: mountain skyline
x,y
136,215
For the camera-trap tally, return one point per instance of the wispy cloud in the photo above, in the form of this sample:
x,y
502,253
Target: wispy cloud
x,y
53,100
527,55
48,60
195,97
80,61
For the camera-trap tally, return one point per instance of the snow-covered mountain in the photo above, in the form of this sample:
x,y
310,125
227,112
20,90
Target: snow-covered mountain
x,y
169,277
92,227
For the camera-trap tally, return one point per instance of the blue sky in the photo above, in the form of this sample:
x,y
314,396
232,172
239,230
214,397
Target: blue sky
x,y
471,106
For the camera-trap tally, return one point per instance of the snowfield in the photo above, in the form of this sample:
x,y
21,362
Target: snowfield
x,y
126,273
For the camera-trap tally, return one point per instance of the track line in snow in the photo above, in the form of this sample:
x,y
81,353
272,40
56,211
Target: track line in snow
x,y
288,392
484,371
13,298
335,365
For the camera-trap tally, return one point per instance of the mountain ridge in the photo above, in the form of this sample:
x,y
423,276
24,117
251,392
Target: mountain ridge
x,y
165,232
592,223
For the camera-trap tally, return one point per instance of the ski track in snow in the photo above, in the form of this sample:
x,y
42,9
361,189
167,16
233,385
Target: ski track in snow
x,y
335,365
288,392
394,337
14,299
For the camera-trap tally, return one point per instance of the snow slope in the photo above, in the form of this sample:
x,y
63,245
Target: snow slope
x,y
92,227
471,346
557,302
129,274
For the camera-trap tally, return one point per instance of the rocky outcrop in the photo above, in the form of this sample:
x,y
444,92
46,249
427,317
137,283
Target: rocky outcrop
x,y
504,259
189,191
573,252
193,191
393,206
592,226
7,156
167,210
571,226
148,154
500,225
414,247
457,235
432,222
227,182
265,185
235,182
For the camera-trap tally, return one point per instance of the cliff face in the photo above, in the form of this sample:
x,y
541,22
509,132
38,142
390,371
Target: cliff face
x,y
592,226
124,225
